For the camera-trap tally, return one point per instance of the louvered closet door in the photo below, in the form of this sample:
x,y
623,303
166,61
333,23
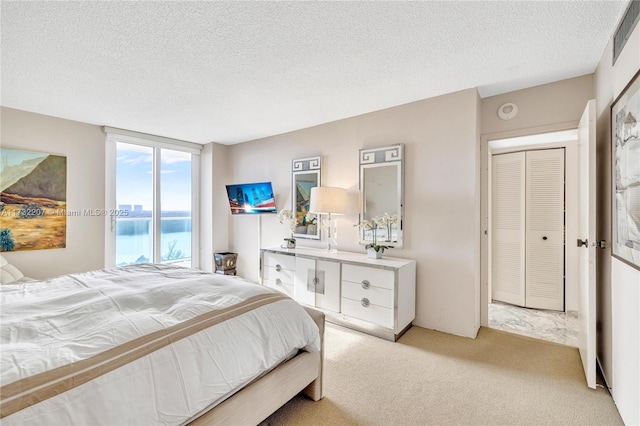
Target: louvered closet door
x,y
545,229
508,228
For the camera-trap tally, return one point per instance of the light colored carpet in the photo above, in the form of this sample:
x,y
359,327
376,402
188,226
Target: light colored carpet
x,y
432,378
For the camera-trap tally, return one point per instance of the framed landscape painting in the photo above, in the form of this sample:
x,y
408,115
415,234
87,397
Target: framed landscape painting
x,y
33,200
625,139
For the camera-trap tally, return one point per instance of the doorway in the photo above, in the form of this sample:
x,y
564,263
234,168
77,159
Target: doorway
x,y
557,322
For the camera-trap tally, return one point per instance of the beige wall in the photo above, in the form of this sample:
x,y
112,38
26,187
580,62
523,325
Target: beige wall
x,y
618,292
441,220
214,208
561,102
84,147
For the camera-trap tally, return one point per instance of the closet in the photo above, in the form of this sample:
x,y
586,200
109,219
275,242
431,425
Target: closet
x,y
527,228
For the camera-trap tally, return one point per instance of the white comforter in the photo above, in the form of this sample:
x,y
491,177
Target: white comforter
x,y
47,324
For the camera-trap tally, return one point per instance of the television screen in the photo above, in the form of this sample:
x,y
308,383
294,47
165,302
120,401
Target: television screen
x,y
251,198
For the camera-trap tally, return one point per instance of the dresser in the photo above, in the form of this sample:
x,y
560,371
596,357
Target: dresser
x,y
375,296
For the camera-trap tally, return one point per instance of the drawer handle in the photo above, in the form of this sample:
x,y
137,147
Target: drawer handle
x,y
364,302
315,281
278,268
278,281
365,284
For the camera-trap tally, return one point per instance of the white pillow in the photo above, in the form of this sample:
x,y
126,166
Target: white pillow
x,y
8,272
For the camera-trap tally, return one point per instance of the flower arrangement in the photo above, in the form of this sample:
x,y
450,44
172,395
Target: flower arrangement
x,y
286,214
386,221
373,225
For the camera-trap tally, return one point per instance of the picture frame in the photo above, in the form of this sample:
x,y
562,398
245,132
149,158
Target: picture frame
x,y
305,174
625,169
33,200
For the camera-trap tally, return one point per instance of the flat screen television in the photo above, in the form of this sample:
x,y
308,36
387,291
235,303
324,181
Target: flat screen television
x,y
251,198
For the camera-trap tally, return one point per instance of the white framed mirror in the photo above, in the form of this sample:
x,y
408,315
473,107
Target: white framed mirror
x,y
382,195
305,174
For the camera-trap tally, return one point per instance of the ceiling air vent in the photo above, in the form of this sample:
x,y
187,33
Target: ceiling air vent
x,y
628,23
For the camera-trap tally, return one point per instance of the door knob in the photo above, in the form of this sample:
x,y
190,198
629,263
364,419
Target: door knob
x,y
602,244
582,243
544,238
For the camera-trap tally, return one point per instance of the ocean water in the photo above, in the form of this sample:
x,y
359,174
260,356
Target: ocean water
x,y
134,243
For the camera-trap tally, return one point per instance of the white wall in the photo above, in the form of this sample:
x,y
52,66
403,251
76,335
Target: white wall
x,y
84,147
618,284
441,220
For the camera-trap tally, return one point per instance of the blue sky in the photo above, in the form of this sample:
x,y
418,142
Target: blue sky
x,y
135,180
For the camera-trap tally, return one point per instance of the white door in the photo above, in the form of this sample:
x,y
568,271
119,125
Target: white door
x,y
587,232
328,295
545,229
305,268
508,228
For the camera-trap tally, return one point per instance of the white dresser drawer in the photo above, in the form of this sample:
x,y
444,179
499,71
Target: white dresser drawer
x,y
280,286
376,295
285,275
375,276
372,313
280,261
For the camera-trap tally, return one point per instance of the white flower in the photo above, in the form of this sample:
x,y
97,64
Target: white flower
x,y
310,217
367,225
287,214
385,220
284,214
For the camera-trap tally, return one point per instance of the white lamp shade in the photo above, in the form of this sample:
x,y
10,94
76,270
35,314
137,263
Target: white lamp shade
x,y
326,199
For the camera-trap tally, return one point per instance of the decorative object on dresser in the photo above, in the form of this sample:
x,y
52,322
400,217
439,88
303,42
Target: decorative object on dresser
x,y
375,250
373,296
305,175
329,200
286,214
382,189
225,263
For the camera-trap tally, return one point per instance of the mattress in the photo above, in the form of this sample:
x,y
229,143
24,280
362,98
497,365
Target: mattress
x,y
143,344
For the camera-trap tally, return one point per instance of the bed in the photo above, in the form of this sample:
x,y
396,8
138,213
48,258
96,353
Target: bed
x,y
153,344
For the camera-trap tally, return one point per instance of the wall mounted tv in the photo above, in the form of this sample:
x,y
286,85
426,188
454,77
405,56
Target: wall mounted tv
x,y
251,198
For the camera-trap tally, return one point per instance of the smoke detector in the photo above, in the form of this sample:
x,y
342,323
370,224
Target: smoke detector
x,y
507,111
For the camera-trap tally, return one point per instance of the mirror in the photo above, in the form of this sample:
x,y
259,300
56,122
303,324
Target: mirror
x,y
305,175
382,190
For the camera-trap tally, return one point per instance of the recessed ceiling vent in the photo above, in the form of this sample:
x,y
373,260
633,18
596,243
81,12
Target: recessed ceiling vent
x,y
628,23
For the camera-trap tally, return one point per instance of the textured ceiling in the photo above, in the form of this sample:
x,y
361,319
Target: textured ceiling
x,y
229,72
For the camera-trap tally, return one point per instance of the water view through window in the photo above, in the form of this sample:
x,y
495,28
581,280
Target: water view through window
x,y
135,236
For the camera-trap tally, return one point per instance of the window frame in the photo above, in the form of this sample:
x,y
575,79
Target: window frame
x,y
115,136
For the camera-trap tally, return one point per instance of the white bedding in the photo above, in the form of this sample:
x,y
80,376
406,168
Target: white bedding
x,y
48,324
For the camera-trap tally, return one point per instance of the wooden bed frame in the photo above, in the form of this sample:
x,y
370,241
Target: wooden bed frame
x,y
257,401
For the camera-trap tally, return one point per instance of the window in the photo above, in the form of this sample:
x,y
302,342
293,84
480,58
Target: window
x,y
152,185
